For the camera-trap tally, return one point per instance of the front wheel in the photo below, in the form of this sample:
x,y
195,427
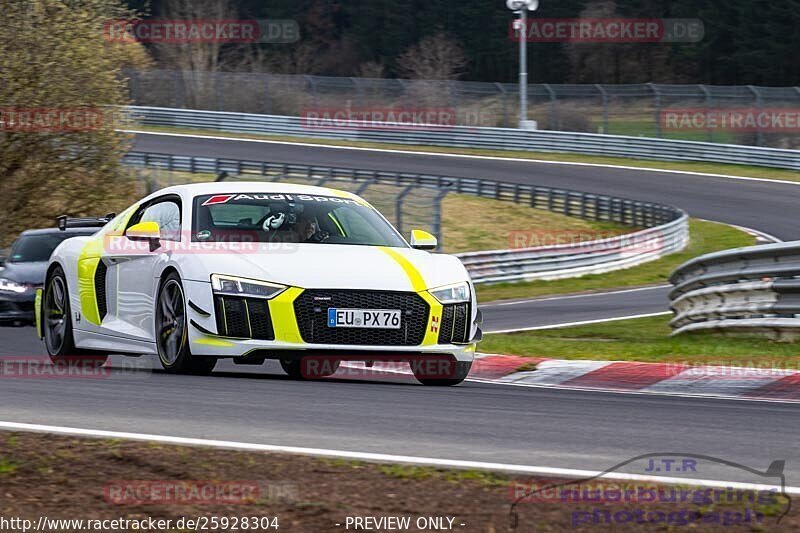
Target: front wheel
x,y
172,332
57,325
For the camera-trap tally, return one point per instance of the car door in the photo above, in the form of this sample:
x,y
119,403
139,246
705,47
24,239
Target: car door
x,y
133,268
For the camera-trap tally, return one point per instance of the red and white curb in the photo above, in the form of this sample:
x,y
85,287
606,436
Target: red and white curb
x,y
614,376
664,378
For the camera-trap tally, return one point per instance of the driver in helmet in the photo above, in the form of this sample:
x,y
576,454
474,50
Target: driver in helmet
x,y
299,225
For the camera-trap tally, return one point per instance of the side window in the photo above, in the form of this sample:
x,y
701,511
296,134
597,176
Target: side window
x,y
354,225
167,215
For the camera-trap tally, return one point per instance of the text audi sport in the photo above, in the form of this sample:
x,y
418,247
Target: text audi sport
x,y
255,271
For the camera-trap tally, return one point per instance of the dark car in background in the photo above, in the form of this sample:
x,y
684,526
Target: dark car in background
x,y
23,268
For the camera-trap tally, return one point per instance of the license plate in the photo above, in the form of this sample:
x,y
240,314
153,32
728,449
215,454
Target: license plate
x,y
364,318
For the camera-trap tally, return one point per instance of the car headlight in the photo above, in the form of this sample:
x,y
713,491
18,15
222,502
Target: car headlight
x,y
6,285
233,286
452,294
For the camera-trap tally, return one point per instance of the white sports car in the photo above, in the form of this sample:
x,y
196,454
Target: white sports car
x,y
309,276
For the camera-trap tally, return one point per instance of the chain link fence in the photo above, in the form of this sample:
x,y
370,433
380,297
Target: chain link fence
x,y
637,110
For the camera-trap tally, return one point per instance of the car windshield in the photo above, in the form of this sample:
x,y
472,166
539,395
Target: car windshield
x,y
290,218
33,248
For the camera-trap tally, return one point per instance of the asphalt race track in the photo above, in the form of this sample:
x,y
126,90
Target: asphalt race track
x,y
761,205
475,421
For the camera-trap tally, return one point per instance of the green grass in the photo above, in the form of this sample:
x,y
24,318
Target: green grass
x,y
705,237
7,466
644,339
417,473
638,128
711,168
498,224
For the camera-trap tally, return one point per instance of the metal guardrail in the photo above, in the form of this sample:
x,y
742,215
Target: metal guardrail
x,y
666,227
753,289
632,109
472,137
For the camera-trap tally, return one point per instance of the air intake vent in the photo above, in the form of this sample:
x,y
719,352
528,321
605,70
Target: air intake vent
x,y
246,318
455,324
100,289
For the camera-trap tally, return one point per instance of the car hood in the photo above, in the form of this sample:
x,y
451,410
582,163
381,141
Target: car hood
x,y
330,266
28,273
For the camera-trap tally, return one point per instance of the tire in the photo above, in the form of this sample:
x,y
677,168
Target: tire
x,y
57,325
459,374
172,331
303,368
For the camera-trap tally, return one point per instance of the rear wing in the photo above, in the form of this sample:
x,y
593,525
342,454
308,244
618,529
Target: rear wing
x,y
65,222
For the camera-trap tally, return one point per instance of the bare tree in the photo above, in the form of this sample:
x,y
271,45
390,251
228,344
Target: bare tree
x,y
435,57
615,62
371,69
197,61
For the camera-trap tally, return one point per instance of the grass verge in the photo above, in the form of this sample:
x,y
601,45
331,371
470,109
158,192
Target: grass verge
x,y
705,237
95,480
498,224
645,339
709,168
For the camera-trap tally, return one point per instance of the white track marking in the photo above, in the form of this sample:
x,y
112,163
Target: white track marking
x,y
571,296
763,235
464,156
381,457
581,323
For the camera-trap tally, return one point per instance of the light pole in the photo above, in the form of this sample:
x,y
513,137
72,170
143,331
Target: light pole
x,y
521,7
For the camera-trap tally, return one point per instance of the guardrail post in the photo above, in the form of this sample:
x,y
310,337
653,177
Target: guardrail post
x,y
604,95
399,206
133,85
216,91
265,77
504,97
657,107
436,224
313,85
759,103
709,131
554,122
177,91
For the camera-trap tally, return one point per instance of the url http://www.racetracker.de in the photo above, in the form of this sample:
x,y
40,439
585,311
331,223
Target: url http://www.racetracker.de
x,y
46,524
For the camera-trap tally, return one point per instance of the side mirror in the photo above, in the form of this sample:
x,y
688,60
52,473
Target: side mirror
x,y
422,240
145,231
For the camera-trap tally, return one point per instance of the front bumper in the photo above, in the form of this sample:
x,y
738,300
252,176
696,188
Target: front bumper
x,y
212,345
286,338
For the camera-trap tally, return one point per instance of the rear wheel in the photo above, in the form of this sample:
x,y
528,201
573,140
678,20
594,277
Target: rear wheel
x,y
450,373
310,367
172,332
57,324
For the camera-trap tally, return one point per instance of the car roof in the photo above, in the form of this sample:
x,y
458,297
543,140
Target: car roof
x,y
241,187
